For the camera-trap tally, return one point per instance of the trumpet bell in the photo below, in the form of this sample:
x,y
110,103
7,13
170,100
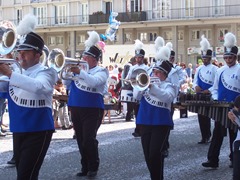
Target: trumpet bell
x,y
140,80
8,37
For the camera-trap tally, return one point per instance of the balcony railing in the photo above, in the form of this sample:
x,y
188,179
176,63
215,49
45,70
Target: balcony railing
x,y
98,18
132,16
122,17
171,14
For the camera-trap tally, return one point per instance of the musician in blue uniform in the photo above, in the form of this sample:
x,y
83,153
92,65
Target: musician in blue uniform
x,y
203,80
30,106
225,88
154,116
234,116
139,56
128,87
177,78
87,106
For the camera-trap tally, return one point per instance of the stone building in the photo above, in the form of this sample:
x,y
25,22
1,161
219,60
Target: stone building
x,y
64,24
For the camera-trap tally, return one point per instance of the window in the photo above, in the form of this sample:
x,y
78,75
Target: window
x,y
207,33
152,36
180,35
167,35
143,36
51,41
107,7
17,1
128,37
238,32
19,15
222,32
61,14
116,37
133,5
41,14
84,12
59,40
195,34
81,39
189,8
218,6
161,9
37,1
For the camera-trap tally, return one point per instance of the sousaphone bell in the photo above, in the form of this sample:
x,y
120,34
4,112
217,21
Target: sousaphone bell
x,y
8,41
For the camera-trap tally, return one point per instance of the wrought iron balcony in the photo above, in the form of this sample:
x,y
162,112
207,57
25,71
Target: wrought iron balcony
x,y
160,15
132,16
122,17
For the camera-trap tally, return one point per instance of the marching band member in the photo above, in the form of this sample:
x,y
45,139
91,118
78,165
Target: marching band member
x,y
139,56
225,88
128,88
234,116
203,80
87,106
30,103
177,78
154,116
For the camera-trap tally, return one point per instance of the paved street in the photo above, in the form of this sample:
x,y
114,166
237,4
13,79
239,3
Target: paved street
x,y
121,154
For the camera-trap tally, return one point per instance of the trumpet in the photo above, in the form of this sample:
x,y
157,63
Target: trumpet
x,y
11,62
140,80
62,64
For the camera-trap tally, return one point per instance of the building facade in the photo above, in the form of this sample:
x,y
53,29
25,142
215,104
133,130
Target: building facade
x,y
64,24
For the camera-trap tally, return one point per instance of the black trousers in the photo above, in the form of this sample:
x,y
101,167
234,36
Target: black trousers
x,y
86,122
29,152
167,145
153,139
205,126
236,160
132,108
216,142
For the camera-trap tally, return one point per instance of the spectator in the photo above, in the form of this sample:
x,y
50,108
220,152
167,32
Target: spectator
x,y
62,109
189,71
126,87
139,56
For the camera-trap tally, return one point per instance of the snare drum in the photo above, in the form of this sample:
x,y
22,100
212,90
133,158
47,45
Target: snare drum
x,y
127,96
